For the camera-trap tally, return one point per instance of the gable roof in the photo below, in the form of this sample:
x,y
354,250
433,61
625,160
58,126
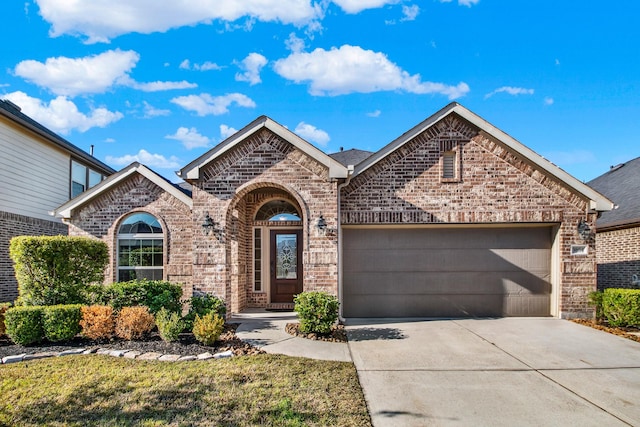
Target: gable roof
x,y
179,193
192,170
12,112
351,157
620,184
598,201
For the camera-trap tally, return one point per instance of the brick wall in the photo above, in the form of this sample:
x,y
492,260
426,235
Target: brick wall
x,y
494,186
618,257
229,191
12,225
102,216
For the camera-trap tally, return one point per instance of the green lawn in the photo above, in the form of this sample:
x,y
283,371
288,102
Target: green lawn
x,y
269,390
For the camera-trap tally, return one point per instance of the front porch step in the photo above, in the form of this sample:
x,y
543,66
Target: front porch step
x,y
280,306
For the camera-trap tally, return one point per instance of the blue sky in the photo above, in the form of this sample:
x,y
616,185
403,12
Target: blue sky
x,y
163,84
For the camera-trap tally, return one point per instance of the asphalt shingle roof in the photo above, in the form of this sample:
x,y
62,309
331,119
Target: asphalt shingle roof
x,y
351,157
621,184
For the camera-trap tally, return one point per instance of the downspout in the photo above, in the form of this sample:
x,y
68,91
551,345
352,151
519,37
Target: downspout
x,y
339,233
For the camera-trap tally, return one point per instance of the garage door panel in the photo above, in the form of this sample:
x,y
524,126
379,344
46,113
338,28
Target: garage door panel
x,y
436,306
459,283
380,260
446,272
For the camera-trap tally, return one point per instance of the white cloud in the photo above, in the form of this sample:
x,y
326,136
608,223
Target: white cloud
x,y
312,134
251,65
75,76
146,158
157,86
511,91
110,140
357,6
150,111
548,101
294,43
61,115
557,61
101,20
350,69
205,66
467,3
375,113
410,12
190,138
90,74
226,131
205,104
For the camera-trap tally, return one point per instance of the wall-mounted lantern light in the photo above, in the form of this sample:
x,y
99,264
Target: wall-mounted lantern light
x,y
321,224
210,226
584,230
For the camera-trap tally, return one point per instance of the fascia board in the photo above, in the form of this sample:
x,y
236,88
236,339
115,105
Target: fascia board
x,y
66,209
192,170
597,201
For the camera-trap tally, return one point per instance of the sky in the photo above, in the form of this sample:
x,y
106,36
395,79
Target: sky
x,y
163,82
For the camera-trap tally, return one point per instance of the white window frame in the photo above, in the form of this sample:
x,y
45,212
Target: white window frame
x,y
140,236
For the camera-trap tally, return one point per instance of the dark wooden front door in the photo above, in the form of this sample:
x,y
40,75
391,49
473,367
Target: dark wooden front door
x,y
286,265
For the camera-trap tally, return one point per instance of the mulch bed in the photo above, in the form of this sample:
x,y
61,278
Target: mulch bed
x,y
186,345
623,332
337,334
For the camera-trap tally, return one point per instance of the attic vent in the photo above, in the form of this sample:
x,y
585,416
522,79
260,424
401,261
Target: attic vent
x,y
449,165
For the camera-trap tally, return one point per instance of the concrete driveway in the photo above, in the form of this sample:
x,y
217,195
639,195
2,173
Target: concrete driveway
x,y
495,372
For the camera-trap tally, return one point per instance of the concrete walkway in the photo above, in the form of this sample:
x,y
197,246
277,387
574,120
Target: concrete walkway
x,y
266,330
495,372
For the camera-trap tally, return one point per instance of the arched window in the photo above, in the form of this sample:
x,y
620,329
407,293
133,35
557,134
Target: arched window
x,y
277,210
140,248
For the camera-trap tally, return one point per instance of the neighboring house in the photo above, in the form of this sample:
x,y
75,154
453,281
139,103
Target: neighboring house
x,y
454,218
618,231
39,170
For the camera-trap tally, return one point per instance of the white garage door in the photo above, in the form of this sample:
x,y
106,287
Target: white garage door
x,y
446,272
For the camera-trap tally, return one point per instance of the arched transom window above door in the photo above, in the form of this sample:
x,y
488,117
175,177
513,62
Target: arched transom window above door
x,y
278,210
140,248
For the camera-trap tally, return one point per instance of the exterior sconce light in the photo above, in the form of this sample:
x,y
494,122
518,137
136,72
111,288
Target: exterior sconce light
x,y
210,226
584,230
321,224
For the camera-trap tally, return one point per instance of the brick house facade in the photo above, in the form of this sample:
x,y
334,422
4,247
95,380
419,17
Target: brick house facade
x,y
618,230
270,215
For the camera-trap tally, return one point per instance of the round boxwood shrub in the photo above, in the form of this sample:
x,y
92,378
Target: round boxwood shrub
x,y
317,311
24,324
61,322
169,325
207,329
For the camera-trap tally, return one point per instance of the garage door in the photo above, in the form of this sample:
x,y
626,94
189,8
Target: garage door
x,y
446,272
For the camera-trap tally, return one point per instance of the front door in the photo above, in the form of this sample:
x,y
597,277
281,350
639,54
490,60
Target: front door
x,y
286,265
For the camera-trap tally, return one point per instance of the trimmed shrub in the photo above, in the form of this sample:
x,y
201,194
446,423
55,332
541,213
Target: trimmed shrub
x,y
199,305
317,311
98,322
133,323
169,325
3,308
207,329
24,324
61,322
54,270
621,307
154,294
595,299
95,294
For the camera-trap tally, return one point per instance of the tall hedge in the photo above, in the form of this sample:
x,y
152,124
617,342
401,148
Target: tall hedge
x,y
54,270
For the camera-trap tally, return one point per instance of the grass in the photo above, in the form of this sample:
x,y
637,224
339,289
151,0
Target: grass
x,y
269,390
